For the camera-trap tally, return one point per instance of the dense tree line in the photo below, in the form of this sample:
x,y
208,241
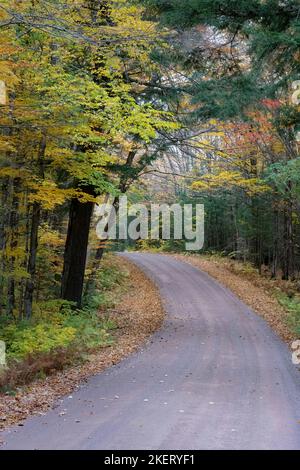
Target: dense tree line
x,y
241,63
74,127
93,93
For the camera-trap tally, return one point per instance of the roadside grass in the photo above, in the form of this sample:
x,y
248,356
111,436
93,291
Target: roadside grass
x,y
292,306
58,335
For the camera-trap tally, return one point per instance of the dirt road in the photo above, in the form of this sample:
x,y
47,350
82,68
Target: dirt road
x,y
214,377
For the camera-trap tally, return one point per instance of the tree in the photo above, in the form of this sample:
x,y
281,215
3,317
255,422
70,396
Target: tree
x,y
73,118
240,71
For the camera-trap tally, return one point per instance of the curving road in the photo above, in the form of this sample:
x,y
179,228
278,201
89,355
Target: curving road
x,y
214,377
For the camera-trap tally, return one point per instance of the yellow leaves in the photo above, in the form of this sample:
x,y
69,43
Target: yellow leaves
x,y
49,195
7,76
14,252
278,147
6,145
128,18
113,63
126,145
90,113
84,197
14,173
229,180
238,155
50,237
8,66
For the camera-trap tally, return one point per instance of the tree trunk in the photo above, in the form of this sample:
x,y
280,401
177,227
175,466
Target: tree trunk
x,y
288,245
287,265
99,253
80,214
13,243
33,244
275,247
30,283
76,251
3,225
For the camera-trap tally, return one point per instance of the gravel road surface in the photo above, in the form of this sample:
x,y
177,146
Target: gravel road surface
x,y
214,377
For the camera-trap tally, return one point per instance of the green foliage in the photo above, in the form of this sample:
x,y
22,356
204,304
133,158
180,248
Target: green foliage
x,y
108,283
292,305
226,97
57,324
268,32
74,121
109,275
81,329
91,329
285,177
24,339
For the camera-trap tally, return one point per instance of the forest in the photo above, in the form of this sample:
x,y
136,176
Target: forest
x,y
165,101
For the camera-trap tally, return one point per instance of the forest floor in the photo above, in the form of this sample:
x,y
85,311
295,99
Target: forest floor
x,y
138,314
259,292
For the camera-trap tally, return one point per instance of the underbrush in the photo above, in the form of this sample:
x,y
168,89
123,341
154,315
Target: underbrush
x,y
236,266
58,335
292,306
160,246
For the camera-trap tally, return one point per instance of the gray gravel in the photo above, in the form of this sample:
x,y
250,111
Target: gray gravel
x,y
214,377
